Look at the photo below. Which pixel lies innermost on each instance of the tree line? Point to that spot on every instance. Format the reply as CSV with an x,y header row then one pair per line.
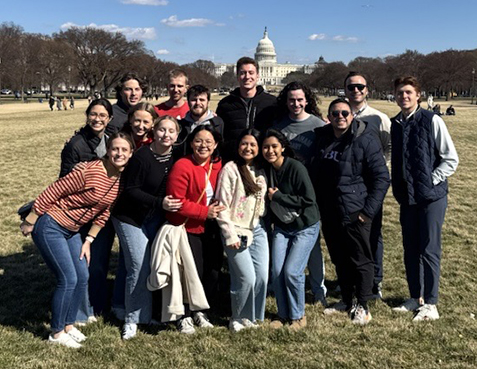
x,y
444,74
97,59
89,57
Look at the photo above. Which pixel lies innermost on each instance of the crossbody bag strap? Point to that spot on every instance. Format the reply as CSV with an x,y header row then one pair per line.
x,y
205,188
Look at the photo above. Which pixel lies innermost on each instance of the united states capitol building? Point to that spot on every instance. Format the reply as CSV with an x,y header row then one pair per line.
x,y
271,72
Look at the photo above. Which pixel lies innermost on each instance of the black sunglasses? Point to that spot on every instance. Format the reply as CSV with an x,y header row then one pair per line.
x,y
359,86
336,113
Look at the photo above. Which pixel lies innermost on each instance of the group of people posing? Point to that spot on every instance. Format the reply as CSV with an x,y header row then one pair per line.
x,y
181,186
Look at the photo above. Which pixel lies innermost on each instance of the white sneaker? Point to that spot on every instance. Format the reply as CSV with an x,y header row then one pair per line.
x,y
360,315
129,331
426,312
186,326
339,307
247,323
76,335
236,325
201,320
64,339
91,319
408,305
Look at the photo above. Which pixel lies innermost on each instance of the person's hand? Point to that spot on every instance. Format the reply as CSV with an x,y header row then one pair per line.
x,y
86,251
271,192
214,209
363,218
234,246
171,204
26,228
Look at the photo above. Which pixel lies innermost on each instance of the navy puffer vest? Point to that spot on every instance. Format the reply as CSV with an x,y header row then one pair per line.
x,y
414,157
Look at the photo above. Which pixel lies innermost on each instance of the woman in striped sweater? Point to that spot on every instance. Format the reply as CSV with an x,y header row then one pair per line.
x,y
72,201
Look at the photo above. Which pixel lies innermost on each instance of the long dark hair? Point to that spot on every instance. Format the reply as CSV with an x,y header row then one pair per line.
x,y
251,188
288,152
311,99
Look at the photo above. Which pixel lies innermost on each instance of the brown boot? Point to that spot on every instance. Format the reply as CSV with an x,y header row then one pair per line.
x,y
298,324
276,324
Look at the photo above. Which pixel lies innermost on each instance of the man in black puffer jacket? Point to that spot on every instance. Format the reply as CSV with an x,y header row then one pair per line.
x,y
350,180
248,106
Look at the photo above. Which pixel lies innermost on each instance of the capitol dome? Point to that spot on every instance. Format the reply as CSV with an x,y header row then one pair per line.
x,y
265,51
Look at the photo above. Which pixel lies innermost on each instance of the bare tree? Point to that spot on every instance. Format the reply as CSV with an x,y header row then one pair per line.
x,y
100,56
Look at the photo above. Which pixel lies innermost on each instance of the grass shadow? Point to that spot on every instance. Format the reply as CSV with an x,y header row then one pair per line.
x,y
26,287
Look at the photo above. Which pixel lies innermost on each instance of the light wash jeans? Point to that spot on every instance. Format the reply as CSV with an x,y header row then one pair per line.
x,y
61,249
137,256
290,253
249,277
316,272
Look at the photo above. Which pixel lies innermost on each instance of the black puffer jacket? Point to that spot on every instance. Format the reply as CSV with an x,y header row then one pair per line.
x,y
237,114
364,178
79,148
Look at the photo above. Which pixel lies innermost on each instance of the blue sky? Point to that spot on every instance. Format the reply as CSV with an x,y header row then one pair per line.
x,y
183,31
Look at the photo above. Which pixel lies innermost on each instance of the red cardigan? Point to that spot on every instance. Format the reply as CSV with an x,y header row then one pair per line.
x,y
186,182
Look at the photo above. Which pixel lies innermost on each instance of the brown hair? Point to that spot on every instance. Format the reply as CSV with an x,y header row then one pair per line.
x,y
167,117
175,73
122,135
408,80
246,60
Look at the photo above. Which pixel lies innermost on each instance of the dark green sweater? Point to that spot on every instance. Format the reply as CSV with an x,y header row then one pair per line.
x,y
295,191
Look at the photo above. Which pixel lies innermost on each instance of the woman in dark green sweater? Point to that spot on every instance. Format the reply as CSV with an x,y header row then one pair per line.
x,y
296,226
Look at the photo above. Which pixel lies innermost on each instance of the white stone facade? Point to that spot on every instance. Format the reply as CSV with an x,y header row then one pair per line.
x,y
271,72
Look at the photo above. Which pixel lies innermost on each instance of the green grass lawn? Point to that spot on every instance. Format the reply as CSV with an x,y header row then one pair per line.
x,y
31,139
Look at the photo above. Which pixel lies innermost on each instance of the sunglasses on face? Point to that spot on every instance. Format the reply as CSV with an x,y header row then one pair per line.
x,y
336,113
359,86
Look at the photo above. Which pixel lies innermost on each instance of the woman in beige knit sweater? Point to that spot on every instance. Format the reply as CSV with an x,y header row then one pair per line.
x,y
241,189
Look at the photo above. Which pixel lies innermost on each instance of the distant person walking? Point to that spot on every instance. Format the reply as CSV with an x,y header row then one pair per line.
x,y
51,102
65,103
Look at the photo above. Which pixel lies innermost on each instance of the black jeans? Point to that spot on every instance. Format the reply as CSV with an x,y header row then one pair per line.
x,y
208,255
350,252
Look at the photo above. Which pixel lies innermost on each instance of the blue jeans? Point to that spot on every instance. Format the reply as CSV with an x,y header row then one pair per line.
x,y
150,227
61,249
290,253
137,256
96,296
249,277
316,271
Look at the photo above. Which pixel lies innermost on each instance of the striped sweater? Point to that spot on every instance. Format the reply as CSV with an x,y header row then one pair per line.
x,y
79,197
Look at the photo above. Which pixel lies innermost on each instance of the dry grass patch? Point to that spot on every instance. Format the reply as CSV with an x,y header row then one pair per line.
x,y
31,139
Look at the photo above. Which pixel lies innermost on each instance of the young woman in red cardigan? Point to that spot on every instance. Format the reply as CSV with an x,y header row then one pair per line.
x,y
188,179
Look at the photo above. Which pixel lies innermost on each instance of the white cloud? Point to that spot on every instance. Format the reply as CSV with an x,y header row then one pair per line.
x,y
129,32
162,52
172,21
146,2
340,38
317,36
